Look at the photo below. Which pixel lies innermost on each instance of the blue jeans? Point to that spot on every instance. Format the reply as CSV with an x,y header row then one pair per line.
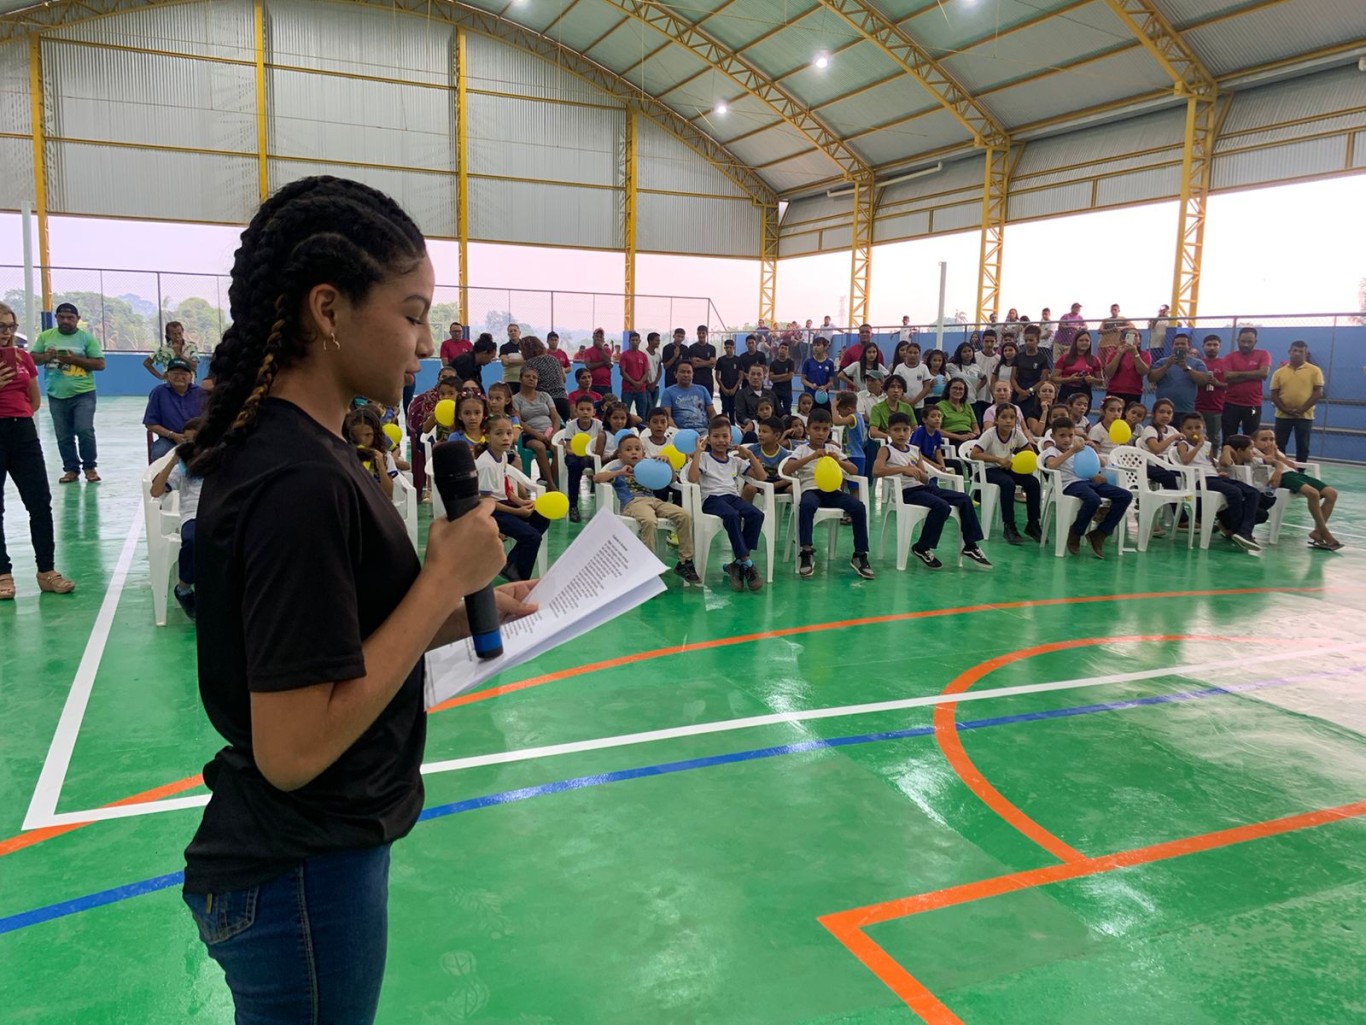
x,y
637,402
526,542
187,552
814,499
160,446
941,505
308,946
742,520
73,420
1091,495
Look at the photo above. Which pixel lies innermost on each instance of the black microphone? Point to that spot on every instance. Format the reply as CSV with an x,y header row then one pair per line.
x,y
457,481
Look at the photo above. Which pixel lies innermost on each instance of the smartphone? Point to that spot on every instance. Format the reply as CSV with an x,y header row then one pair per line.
x,y
9,355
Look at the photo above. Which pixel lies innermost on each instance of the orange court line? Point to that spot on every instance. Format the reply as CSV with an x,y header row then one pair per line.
x,y
28,839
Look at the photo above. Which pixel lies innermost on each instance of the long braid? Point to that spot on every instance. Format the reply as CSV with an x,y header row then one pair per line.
x,y
319,230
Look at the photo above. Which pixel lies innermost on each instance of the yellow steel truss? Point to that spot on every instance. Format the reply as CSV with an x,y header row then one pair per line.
x,y
258,17
995,193
768,264
861,248
628,220
462,173
35,96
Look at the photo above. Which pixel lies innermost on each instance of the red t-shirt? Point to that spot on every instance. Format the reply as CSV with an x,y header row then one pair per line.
x,y
1128,378
1246,393
602,376
1088,365
635,365
14,395
561,357
453,347
1210,398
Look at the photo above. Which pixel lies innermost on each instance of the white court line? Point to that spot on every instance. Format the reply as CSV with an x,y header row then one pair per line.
x,y
43,807
729,725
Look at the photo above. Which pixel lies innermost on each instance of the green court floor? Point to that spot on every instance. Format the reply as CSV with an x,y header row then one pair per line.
x,y
1062,792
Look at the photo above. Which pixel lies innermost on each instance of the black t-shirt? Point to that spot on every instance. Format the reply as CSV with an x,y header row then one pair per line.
x,y
728,370
702,375
468,368
510,348
782,366
666,356
298,558
748,359
1029,369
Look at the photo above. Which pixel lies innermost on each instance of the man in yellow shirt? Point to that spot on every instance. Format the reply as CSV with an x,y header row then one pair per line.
x,y
1296,388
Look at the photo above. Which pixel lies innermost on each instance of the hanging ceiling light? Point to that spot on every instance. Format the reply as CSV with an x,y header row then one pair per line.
x,y
721,107
822,60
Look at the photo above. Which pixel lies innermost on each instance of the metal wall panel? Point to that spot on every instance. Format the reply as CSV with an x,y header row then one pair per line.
x,y
1139,186
358,39
497,67
1049,202
959,217
533,139
799,245
15,107
122,96
664,161
556,215
428,197
1330,101
16,183
219,28
688,224
328,118
110,181
1279,163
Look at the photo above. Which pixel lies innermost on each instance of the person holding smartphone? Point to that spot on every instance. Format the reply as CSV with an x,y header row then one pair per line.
x,y
21,457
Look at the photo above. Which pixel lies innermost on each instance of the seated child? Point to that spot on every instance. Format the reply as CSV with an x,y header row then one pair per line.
x,y
363,429
446,388
929,439
717,468
1240,516
762,411
1078,406
642,505
614,421
996,447
769,450
583,423
899,458
794,431
1320,497
584,379
1160,439
514,512
1134,415
802,465
1000,395
805,403
1111,409
471,413
659,433
1065,442
175,476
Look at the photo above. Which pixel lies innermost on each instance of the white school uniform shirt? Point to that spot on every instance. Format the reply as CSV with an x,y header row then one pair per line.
x,y
493,477
572,428
807,473
652,450
990,443
188,487
1101,436
609,447
1203,458
915,378
1065,471
910,457
720,477
1151,433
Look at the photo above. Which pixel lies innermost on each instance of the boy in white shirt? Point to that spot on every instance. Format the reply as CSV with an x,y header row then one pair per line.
x,y
1237,520
514,513
802,465
1057,454
717,469
899,458
997,447
175,477
584,422
642,505
659,433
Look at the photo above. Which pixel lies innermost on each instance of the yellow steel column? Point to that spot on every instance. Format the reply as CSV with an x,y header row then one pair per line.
x,y
768,263
861,248
259,31
629,215
35,93
995,192
462,181
1197,160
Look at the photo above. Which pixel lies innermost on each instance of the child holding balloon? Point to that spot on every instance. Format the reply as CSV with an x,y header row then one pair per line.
x,y
1067,452
515,513
441,419
1110,431
821,486
615,426
638,499
718,468
363,428
1010,465
579,435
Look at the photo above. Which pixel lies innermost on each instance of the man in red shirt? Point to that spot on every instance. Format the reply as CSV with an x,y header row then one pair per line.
x,y
456,345
552,342
635,377
1209,399
1245,369
854,353
598,361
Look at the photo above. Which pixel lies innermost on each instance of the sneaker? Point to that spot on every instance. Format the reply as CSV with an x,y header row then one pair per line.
x,y
688,572
977,556
185,599
1033,532
736,574
1012,535
574,514
806,564
1097,540
1247,544
673,539
1073,543
927,558
752,579
861,567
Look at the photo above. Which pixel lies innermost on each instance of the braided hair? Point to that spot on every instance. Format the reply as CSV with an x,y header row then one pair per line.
x,y
313,231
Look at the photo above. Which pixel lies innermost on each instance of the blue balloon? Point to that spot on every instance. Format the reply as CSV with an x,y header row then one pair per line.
x,y
822,397
625,432
1086,463
685,441
1112,475
654,474
735,436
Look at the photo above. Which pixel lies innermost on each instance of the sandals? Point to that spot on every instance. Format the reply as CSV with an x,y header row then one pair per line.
x,y
6,587
70,477
53,582
1324,545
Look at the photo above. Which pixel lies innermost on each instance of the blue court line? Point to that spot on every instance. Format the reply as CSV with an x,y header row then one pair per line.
x,y
49,912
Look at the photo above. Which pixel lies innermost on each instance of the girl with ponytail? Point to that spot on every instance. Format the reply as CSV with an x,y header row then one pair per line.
x,y
314,681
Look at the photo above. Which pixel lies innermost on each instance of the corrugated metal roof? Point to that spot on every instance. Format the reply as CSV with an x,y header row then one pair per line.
x,y
943,28
1119,75
689,224
933,131
498,67
1313,96
856,67
355,39
1274,33
210,30
16,112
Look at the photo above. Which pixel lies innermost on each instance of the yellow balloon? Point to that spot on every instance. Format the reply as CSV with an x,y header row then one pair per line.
x,y
394,433
1121,432
829,477
1024,461
579,444
553,505
673,457
445,412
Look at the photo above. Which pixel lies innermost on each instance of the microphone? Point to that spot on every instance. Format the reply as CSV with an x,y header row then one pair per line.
x,y
457,481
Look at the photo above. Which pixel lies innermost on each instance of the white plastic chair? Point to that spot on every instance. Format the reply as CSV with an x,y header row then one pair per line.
x,y
908,517
1276,514
988,494
706,527
606,498
406,501
536,488
1211,503
1063,508
1131,464
831,517
161,521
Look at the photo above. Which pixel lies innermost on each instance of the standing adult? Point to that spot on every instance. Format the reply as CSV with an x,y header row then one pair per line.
x,y
1079,372
469,366
1126,371
1113,330
1211,396
635,377
171,405
656,356
456,344
1296,388
176,347
702,356
552,344
597,360
853,354
1159,328
510,354
1032,367
21,457
753,354
72,357
549,374
1178,377
780,374
1068,326
728,375
1046,331
1245,368
674,353
287,874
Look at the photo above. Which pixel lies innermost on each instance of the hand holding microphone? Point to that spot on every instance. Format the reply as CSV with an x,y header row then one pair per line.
x,y
457,480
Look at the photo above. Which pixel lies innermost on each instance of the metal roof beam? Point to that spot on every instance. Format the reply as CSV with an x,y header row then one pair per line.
x,y
1167,46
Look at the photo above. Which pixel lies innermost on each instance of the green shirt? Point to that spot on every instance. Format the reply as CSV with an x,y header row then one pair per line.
x,y
67,381
959,421
882,411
